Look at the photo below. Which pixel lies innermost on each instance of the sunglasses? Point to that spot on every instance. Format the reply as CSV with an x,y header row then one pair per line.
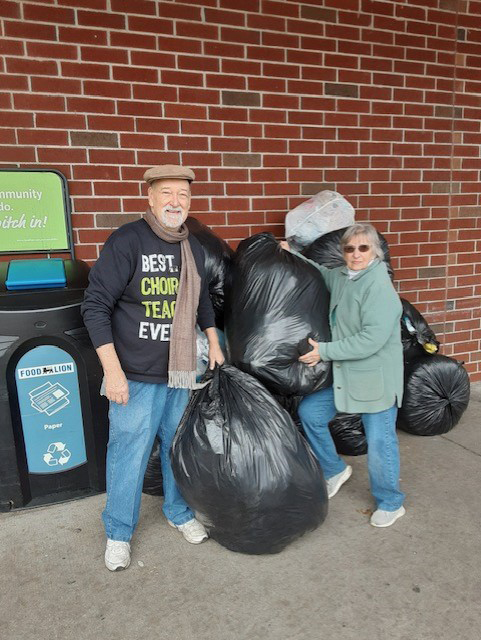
x,y
362,248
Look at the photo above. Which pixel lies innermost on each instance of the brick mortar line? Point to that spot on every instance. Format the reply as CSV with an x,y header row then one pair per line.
x,y
257,77
255,109
263,137
202,72
359,40
248,13
94,181
268,153
268,93
367,56
246,59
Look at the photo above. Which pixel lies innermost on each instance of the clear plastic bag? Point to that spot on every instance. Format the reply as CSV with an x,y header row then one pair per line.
x,y
417,336
202,346
324,212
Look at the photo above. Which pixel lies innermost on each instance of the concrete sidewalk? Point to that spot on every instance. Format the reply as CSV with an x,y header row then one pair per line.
x,y
418,580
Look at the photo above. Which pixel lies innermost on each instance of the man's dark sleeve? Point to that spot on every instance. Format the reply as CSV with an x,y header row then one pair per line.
x,y
107,281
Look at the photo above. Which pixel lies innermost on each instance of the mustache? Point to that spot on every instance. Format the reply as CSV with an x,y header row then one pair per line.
x,y
170,209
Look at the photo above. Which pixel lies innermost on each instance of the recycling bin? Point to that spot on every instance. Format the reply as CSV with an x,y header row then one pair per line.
x,y
53,422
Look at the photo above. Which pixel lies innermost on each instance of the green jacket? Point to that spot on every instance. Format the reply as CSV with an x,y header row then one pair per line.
x,y
366,349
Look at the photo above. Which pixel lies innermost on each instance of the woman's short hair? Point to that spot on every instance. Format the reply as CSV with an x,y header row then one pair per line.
x,y
363,229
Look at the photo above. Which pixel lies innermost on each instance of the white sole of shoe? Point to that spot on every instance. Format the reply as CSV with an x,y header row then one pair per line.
x,y
113,567
347,473
206,537
196,541
388,524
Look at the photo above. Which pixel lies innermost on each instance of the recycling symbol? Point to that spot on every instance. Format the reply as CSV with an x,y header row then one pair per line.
x,y
57,453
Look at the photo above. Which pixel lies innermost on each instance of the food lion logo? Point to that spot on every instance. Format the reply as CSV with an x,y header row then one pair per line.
x,y
45,370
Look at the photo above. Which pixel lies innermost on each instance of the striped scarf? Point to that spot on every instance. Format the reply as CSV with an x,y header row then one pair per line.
x,y
182,355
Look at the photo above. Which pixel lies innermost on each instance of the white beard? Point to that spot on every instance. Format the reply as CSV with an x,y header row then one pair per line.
x,y
171,220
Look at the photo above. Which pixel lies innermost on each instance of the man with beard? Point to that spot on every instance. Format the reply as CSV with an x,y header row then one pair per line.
x,y
146,293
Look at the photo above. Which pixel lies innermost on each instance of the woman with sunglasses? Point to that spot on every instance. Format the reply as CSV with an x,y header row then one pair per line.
x,y
367,366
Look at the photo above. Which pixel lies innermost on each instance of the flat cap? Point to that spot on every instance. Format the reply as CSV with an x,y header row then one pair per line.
x,y
169,172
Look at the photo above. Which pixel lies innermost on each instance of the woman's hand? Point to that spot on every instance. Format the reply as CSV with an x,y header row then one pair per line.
x,y
312,358
285,245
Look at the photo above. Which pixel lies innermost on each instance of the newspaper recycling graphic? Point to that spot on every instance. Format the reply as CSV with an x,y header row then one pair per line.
x,y
49,398
57,453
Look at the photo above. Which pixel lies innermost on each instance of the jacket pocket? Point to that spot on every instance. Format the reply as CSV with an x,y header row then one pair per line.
x,y
365,384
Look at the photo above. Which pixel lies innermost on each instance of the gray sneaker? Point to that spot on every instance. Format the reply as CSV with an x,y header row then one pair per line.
x,y
117,555
382,518
336,482
193,531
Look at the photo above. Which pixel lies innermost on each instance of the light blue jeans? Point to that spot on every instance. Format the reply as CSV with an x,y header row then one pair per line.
x,y
152,409
318,409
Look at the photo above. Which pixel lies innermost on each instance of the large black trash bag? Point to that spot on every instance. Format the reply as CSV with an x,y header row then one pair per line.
x,y
276,301
326,250
290,404
348,434
417,336
241,464
218,256
153,474
436,394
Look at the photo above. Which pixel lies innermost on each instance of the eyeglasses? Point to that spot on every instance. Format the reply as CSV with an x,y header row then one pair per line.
x,y
362,248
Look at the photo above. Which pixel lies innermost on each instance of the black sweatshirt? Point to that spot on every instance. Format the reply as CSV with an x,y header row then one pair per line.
x,y
131,296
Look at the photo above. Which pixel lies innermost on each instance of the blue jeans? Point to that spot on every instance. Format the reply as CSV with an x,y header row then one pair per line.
x,y
152,409
318,409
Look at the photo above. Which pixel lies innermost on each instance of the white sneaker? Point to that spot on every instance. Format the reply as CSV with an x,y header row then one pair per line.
x,y
336,482
193,531
382,518
117,555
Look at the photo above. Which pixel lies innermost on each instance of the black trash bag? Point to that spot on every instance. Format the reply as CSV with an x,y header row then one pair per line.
x,y
436,394
348,434
326,250
241,464
218,256
417,336
290,404
153,474
276,302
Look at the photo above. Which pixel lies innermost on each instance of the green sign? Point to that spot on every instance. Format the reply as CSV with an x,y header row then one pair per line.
x,y
32,212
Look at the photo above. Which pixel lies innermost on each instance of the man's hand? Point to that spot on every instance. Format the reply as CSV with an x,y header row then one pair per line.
x,y
215,352
117,387
215,355
312,357
285,245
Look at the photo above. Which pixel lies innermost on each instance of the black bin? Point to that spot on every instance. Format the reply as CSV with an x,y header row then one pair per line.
x,y
53,422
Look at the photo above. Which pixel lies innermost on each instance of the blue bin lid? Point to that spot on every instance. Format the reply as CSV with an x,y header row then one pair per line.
x,y
35,274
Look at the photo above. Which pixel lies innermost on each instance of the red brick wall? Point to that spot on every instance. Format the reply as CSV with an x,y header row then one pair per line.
x,y
269,103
